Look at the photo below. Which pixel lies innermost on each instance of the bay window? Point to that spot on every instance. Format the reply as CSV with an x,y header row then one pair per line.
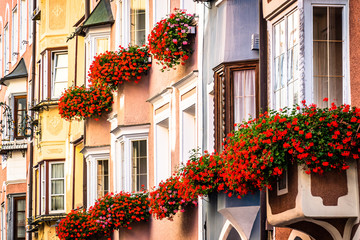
x,y
328,47
286,86
57,187
235,96
51,187
54,74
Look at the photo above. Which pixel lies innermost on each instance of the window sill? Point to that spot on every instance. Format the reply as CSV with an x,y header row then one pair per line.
x,y
48,218
44,105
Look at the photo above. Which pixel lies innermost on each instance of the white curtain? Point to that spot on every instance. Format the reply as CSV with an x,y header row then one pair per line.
x,y
244,95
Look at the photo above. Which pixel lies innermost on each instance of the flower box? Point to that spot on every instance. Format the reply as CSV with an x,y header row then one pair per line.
x,y
331,195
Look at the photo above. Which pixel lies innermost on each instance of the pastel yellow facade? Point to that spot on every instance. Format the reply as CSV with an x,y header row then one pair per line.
x,y
58,163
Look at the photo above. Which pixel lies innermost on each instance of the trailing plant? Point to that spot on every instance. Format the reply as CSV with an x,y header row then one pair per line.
x,y
80,102
168,198
110,69
76,225
169,40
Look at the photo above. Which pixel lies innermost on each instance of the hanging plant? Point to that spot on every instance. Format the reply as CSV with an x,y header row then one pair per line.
x,y
169,41
76,225
113,68
80,103
169,197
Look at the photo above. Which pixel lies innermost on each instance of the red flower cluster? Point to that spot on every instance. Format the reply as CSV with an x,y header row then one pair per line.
x,y
80,103
77,225
169,198
109,213
113,68
169,39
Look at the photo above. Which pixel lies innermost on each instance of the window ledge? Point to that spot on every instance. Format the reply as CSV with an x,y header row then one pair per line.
x,y
47,218
44,105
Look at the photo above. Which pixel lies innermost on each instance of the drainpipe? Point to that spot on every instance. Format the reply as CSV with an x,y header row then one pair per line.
x,y
87,9
31,152
263,105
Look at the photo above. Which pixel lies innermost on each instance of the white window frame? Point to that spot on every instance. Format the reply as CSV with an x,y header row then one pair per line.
x,y
23,26
42,184
30,21
92,155
14,36
157,18
125,23
185,86
3,221
54,54
1,56
169,115
271,25
50,195
90,45
6,49
96,169
308,36
185,3
124,136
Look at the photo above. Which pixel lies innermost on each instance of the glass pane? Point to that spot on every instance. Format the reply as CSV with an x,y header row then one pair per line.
x,y
57,186
61,60
320,59
61,75
57,170
20,205
59,88
335,59
137,22
142,163
335,23
139,163
21,103
102,45
321,90
142,182
20,218
335,90
57,203
21,232
320,23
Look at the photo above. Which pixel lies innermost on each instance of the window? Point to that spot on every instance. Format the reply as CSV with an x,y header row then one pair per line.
x,y
42,189
1,57
23,25
19,218
188,132
162,151
235,91
19,116
96,42
161,9
57,187
328,45
286,84
14,36
55,81
139,165
3,220
30,22
131,158
6,50
137,22
97,167
102,177
59,78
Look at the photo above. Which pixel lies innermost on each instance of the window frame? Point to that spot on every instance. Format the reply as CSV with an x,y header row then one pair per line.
x,y
224,97
16,199
15,114
97,176
91,45
14,35
308,53
134,139
46,74
23,26
49,179
123,137
6,49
